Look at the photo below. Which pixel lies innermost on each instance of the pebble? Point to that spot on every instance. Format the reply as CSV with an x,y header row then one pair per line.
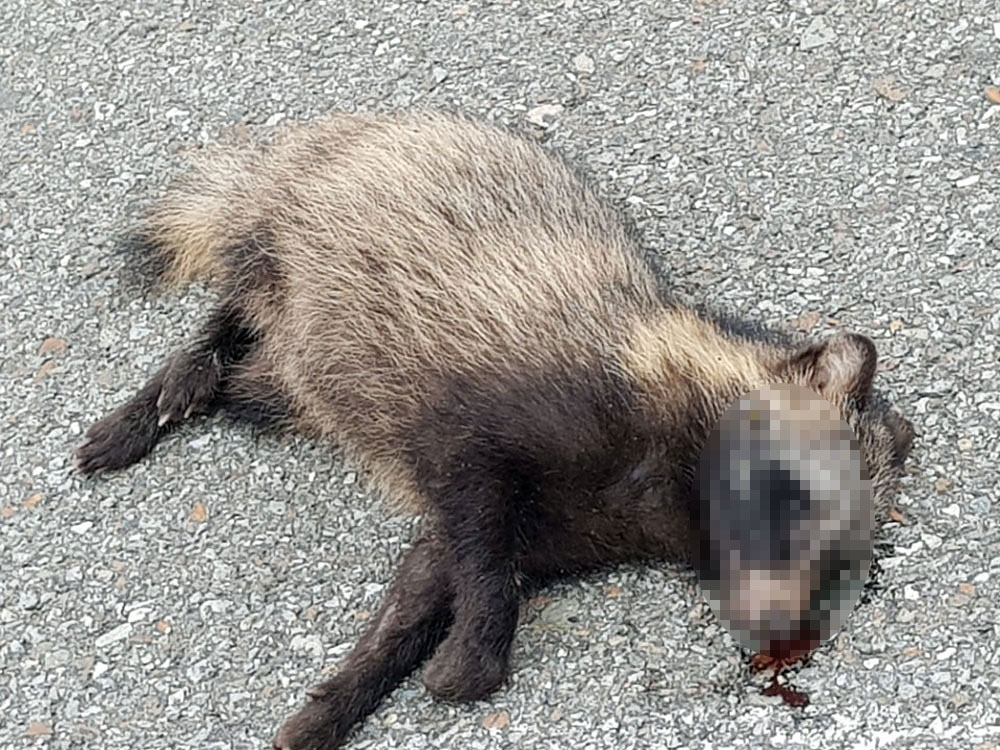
x,y
58,658
119,633
817,34
584,64
562,612
543,114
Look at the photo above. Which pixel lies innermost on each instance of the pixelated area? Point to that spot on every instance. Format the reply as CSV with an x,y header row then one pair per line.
x,y
786,520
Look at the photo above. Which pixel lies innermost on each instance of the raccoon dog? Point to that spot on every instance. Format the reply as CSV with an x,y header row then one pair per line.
x,y
481,334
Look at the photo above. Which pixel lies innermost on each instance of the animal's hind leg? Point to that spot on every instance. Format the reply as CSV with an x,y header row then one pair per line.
x,y
194,378
189,383
411,622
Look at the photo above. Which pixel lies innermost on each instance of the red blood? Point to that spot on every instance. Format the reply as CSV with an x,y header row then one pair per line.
x,y
776,665
792,697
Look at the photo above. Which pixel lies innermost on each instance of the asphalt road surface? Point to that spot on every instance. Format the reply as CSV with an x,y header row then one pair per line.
x,y
817,165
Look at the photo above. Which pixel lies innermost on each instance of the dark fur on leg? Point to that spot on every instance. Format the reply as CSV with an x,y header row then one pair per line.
x,y
189,383
411,622
195,378
473,660
125,435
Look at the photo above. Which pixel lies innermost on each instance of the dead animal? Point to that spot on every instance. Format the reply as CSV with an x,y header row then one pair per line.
x,y
480,332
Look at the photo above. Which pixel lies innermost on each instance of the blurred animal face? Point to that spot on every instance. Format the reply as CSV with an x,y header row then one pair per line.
x,y
786,520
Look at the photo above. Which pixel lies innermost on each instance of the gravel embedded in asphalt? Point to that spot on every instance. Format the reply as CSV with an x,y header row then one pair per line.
x,y
817,165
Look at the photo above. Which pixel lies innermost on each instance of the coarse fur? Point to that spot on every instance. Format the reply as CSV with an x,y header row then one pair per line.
x,y
463,315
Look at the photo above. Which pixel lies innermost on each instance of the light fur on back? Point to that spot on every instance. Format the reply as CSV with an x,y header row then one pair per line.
x,y
381,257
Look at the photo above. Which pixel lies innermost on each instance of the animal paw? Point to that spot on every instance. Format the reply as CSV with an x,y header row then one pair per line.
x,y
318,725
460,671
121,439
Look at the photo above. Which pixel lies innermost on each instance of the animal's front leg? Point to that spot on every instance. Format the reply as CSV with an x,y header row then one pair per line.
x,y
413,620
474,659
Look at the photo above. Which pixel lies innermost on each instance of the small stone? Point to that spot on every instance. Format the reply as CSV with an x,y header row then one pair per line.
x,y
163,627
186,26
584,64
933,541
440,75
81,528
38,729
967,181
887,89
613,592
817,34
350,477
58,658
44,371
958,600
28,600
937,70
806,322
52,345
310,643
119,633
199,514
993,94
942,485
541,114
499,720
562,612
100,668
896,326
946,654
958,700
964,444
274,119
912,652
33,501
557,714
967,588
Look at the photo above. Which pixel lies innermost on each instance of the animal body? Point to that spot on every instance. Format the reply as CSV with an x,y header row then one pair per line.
x,y
479,332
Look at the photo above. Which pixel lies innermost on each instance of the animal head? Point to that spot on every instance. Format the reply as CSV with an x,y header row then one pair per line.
x,y
792,482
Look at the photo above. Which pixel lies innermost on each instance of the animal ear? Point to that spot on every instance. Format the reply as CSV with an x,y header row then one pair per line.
x,y
843,366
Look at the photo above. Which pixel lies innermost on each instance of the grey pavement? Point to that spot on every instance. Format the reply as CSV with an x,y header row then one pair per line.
x,y
813,164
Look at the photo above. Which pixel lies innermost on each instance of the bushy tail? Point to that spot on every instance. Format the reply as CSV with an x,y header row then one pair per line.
x,y
208,209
